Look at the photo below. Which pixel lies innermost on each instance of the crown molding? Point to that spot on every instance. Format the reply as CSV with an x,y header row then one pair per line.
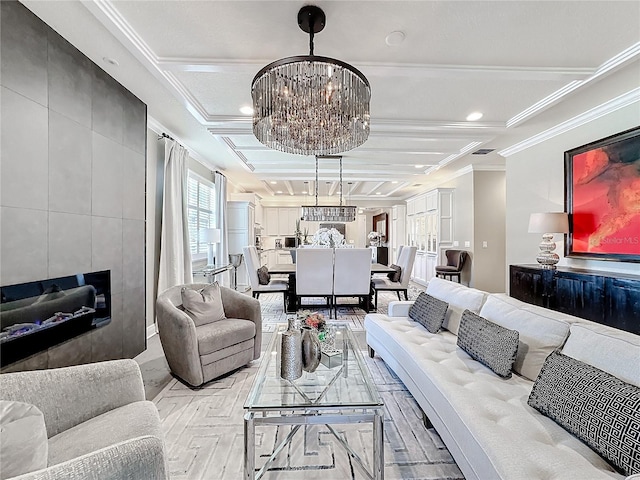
x,y
618,61
387,69
606,108
154,125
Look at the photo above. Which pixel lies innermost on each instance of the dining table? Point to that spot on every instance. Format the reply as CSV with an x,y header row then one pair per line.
x,y
290,270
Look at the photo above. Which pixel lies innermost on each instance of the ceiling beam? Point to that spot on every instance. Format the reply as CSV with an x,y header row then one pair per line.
x,y
376,187
332,188
268,187
287,184
399,187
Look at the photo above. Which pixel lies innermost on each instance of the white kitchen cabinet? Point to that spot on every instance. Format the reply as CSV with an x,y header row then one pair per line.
x,y
431,231
280,222
284,257
240,233
270,218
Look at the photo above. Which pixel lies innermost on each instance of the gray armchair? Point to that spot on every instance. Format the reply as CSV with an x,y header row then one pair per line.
x,y
98,424
200,354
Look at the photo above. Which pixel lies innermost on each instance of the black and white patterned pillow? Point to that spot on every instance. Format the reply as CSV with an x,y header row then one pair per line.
x,y
598,408
263,275
429,312
490,344
395,276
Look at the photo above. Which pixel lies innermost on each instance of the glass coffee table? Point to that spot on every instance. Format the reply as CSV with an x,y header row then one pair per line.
x,y
340,391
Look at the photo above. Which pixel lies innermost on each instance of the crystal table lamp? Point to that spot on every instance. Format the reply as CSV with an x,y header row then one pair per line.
x,y
210,236
548,223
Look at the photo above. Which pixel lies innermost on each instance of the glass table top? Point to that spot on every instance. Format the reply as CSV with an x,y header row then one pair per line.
x,y
342,382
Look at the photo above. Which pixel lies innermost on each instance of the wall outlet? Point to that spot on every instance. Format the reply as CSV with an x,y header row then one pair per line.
x,y
485,244
456,243
467,243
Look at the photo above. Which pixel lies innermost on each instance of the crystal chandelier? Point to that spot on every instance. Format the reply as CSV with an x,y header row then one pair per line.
x,y
310,105
329,213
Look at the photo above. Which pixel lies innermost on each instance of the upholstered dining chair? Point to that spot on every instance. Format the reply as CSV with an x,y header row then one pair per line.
x,y
405,261
352,276
314,274
198,354
275,285
454,266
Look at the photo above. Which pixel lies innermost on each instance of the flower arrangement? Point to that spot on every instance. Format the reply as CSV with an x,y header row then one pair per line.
x,y
374,238
328,237
312,319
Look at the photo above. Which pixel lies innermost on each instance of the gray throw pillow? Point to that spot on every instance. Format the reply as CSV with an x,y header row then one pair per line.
x,y
395,276
598,408
23,439
490,344
263,275
203,306
429,312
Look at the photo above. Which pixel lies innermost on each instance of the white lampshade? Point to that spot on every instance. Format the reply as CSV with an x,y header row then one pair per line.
x,y
209,235
549,222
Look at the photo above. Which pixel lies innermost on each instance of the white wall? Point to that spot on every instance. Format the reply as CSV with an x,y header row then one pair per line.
x,y
535,183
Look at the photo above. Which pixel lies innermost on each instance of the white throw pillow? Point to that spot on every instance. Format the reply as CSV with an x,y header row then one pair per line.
x,y
614,351
203,306
540,334
459,298
23,439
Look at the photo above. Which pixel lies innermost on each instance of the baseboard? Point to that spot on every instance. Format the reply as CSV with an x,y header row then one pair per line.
x,y
151,330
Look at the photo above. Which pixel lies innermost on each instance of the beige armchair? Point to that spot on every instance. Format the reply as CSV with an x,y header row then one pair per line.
x,y
200,354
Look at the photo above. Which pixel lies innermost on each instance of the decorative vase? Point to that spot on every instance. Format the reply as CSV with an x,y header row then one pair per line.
x,y
291,355
311,351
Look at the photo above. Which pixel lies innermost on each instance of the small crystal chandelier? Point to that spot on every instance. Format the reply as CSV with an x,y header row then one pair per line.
x,y
311,105
329,213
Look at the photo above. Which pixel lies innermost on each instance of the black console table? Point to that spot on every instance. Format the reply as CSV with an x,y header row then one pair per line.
x,y
605,297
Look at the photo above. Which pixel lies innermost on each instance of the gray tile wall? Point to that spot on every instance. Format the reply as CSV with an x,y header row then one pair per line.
x,y
72,188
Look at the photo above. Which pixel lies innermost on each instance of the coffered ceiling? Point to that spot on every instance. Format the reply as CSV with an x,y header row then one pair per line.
x,y
193,63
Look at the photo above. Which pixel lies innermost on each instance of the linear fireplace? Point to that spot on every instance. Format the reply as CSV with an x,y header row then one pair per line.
x,y
37,315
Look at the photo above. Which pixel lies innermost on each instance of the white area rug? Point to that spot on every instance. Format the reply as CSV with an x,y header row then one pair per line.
x,y
204,435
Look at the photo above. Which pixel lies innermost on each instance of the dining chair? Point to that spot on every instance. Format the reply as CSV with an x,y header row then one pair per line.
x,y
314,274
405,262
352,276
276,285
454,266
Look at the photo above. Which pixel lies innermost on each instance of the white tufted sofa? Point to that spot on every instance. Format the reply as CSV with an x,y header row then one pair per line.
x,y
483,419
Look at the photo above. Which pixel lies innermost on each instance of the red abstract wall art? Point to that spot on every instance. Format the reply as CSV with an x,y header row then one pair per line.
x,y
602,197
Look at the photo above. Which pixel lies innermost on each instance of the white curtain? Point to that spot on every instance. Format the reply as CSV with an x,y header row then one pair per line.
x,y
175,253
221,223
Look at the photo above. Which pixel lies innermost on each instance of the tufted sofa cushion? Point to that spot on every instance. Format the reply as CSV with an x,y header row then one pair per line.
x,y
459,298
539,334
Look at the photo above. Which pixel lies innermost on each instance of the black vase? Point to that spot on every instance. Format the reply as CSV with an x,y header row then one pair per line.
x,y
311,352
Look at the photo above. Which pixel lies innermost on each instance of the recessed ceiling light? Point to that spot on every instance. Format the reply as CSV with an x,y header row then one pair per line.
x,y
419,166
273,182
303,193
279,191
395,181
111,61
378,193
472,117
246,110
395,38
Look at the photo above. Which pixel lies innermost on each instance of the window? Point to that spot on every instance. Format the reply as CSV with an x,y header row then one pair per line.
x,y
201,210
